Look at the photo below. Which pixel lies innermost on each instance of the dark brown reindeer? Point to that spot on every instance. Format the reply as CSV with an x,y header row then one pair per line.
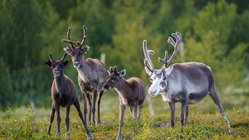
x,y
63,93
91,74
131,93
187,83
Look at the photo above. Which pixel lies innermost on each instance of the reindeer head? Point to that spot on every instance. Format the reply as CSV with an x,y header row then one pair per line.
x,y
57,65
158,77
114,77
76,52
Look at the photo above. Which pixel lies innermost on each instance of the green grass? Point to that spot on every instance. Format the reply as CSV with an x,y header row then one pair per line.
x,y
204,122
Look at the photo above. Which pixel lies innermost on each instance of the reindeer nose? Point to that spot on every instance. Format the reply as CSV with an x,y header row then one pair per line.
x,y
152,93
76,64
57,73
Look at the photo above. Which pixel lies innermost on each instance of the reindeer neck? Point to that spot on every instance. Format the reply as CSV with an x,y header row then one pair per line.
x,y
123,88
84,64
59,82
84,71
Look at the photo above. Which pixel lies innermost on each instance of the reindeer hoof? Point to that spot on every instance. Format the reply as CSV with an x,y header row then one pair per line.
x,y
99,122
92,123
167,124
48,133
68,136
58,133
119,138
89,136
230,131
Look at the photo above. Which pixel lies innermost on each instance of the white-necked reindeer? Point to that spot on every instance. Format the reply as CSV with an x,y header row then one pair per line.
x,y
187,83
63,93
131,94
91,74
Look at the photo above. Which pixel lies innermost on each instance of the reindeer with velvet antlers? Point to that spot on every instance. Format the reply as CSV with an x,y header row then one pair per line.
x,y
187,83
91,74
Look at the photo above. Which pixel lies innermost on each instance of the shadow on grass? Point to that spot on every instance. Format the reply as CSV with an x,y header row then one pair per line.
x,y
242,124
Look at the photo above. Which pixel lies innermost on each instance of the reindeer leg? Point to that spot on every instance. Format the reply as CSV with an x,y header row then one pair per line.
x,y
138,111
131,111
135,111
99,100
184,113
57,110
67,120
94,99
85,104
216,100
51,119
172,110
121,120
84,99
88,133
187,109
90,107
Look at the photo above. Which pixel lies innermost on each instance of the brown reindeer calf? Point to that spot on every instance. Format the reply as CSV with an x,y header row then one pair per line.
x,y
131,93
63,93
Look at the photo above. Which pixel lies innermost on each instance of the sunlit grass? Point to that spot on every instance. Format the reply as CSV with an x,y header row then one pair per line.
x,y
204,122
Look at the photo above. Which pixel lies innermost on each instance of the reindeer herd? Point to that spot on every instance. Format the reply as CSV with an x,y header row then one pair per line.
x,y
187,83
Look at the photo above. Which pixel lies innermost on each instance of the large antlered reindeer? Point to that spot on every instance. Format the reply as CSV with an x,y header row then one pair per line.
x,y
91,74
187,83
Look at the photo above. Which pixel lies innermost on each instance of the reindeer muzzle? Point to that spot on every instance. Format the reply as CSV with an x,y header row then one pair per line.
x,y
57,73
153,93
76,64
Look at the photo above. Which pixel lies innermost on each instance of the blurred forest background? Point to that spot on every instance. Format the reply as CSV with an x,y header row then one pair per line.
x,y
214,32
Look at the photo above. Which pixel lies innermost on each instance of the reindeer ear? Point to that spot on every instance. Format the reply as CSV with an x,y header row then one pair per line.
x,y
115,70
48,63
122,73
86,48
65,63
110,70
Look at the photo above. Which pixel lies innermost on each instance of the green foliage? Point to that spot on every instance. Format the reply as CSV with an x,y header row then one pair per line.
x,y
18,125
6,90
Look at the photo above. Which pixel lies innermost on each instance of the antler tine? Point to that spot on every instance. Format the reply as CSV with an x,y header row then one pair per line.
x,y
147,67
84,29
64,56
68,33
175,44
69,41
164,60
147,54
171,41
50,57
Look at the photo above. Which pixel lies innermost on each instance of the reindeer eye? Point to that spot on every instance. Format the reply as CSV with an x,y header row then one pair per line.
x,y
151,80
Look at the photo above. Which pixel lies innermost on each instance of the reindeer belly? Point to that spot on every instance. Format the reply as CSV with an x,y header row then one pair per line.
x,y
194,98
166,97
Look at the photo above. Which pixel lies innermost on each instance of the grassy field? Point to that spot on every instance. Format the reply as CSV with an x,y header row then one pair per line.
x,y
204,122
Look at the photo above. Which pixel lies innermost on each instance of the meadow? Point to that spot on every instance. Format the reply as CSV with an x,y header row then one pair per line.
x,y
204,121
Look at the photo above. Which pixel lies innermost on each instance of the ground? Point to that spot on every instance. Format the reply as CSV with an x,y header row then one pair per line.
x,y
204,122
